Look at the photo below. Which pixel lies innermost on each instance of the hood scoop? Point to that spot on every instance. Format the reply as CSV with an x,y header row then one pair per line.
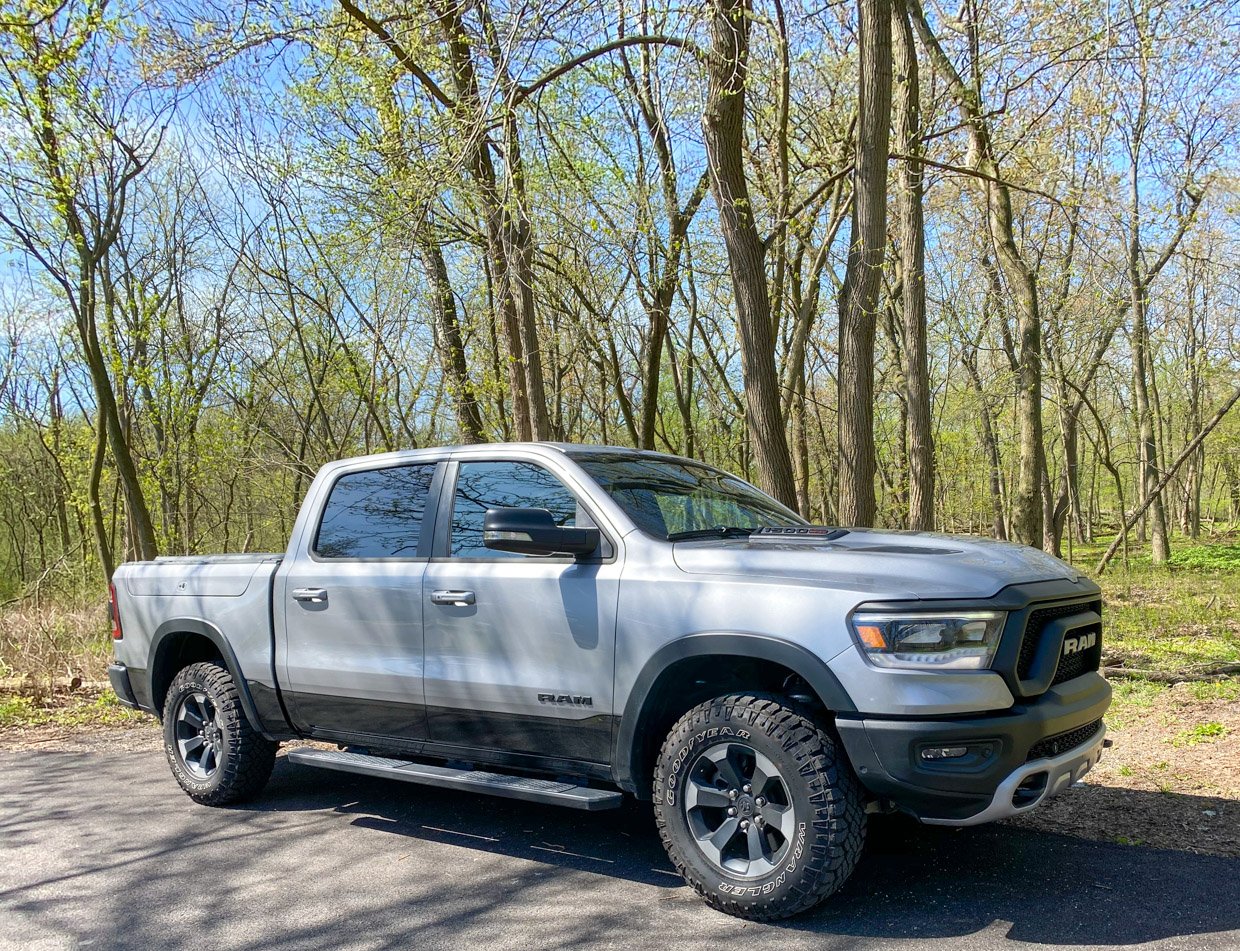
x,y
817,534
794,533
905,550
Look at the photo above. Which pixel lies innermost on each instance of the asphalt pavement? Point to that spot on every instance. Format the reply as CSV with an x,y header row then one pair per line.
x,y
103,850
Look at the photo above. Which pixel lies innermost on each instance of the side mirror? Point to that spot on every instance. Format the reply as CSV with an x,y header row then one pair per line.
x,y
534,532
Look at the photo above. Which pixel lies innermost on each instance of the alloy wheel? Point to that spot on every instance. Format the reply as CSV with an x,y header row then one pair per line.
x,y
739,810
199,736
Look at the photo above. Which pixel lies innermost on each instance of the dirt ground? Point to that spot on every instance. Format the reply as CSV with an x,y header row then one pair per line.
x,y
1171,780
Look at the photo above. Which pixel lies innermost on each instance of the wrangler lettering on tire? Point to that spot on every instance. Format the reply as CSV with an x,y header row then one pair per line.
x,y
756,806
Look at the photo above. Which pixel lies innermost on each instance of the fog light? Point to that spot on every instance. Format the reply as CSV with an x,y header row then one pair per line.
x,y
944,752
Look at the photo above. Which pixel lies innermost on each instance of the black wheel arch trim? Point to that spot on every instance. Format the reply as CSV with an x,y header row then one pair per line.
x,y
190,625
740,644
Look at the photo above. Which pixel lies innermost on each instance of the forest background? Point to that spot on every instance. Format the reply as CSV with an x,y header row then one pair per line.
x,y
962,268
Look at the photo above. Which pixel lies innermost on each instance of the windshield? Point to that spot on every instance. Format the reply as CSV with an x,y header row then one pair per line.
x,y
667,498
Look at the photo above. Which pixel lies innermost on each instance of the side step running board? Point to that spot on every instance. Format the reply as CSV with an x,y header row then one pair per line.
x,y
549,791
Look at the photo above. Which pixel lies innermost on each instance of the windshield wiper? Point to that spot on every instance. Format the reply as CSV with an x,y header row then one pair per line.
x,y
719,531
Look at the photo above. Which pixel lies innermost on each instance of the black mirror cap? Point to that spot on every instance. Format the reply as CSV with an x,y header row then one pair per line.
x,y
534,532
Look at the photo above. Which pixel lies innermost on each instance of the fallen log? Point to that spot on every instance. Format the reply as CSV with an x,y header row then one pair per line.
x,y
1210,673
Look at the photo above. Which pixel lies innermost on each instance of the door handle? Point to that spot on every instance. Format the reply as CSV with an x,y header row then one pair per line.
x,y
457,599
313,595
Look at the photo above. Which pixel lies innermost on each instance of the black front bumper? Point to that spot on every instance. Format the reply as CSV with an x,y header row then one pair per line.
x,y
886,753
118,674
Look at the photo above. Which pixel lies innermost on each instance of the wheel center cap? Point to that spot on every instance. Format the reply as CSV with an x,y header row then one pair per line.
x,y
745,807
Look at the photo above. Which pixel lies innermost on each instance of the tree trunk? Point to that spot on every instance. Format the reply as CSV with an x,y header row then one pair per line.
x,y
723,127
1147,446
994,463
1156,490
102,544
519,252
913,258
867,245
508,243
1021,283
142,528
451,344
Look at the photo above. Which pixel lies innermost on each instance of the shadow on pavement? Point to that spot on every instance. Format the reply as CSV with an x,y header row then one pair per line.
x,y
108,850
913,881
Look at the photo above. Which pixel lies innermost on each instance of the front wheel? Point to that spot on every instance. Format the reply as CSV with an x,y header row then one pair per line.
x,y
215,754
757,807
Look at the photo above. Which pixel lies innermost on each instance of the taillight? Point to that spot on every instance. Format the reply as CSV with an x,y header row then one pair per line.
x,y
114,613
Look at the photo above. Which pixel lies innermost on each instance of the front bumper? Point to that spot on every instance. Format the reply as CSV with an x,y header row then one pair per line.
x,y
1015,759
1027,787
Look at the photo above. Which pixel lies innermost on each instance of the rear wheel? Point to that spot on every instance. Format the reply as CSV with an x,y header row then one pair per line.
x,y
757,807
215,754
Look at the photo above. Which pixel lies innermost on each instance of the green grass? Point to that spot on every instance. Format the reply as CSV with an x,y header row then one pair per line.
x,y
1130,699
18,710
1217,557
1170,617
1201,733
1228,689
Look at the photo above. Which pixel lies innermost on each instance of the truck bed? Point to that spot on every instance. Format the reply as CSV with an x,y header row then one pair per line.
x,y
204,576
226,598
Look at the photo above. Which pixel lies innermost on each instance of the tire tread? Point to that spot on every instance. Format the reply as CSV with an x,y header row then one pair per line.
x,y
834,790
251,756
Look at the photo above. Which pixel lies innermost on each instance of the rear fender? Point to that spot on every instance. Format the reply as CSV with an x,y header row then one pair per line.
x,y
163,641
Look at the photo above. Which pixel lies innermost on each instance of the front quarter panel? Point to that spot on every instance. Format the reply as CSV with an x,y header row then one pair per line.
x,y
662,607
659,604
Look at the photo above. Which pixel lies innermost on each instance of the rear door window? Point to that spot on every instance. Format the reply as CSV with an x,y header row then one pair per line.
x,y
375,514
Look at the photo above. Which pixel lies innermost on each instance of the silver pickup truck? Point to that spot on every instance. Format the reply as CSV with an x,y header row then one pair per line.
x,y
566,624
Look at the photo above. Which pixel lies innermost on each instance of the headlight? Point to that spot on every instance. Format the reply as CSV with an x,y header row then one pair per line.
x,y
965,640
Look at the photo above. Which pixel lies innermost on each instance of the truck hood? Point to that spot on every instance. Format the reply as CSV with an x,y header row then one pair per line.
x,y
884,565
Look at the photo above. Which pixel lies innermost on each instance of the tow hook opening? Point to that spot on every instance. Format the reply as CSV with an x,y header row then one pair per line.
x,y
1030,790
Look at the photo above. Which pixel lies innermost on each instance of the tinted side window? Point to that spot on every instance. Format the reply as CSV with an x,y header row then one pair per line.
x,y
375,514
489,485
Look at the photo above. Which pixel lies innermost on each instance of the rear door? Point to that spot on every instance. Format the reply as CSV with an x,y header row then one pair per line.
x,y
520,649
352,606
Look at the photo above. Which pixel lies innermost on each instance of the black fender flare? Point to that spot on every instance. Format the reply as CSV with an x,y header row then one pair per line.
x,y
743,644
193,625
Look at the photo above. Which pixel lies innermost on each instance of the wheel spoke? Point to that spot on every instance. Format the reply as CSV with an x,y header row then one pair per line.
x,y
780,817
750,782
763,772
199,740
698,794
755,841
721,756
194,707
188,745
714,843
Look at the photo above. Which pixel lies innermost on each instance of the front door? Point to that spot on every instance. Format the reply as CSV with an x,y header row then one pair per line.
x,y
353,609
519,649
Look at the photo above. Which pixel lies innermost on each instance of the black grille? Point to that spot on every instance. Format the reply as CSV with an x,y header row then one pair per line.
x,y
1062,742
1038,619
1071,665
1082,662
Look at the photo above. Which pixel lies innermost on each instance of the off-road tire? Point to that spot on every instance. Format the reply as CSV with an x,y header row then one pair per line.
x,y
246,758
827,799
